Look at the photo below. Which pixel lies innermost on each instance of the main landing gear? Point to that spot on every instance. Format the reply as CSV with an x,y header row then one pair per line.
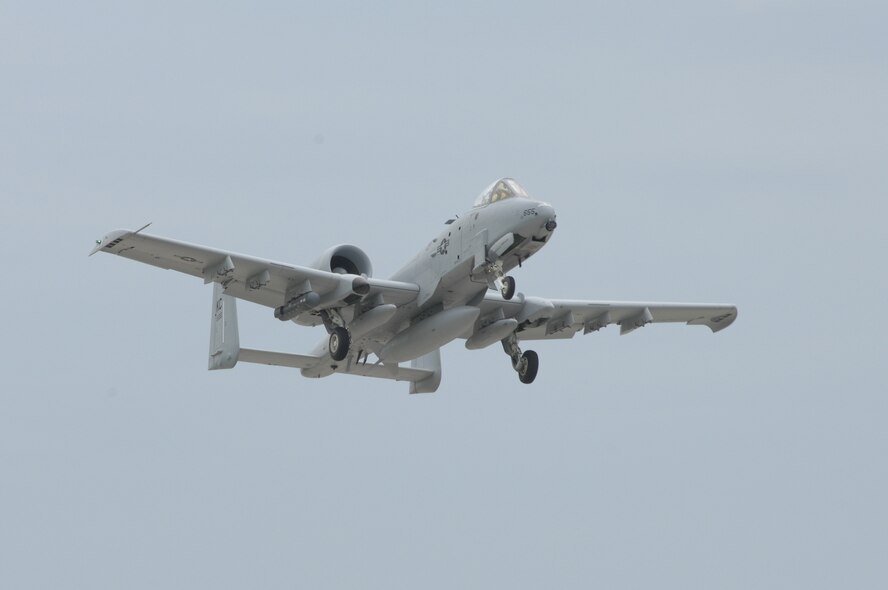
x,y
340,339
526,364
339,343
508,288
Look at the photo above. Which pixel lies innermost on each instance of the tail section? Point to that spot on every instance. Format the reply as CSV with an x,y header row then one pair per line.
x,y
424,373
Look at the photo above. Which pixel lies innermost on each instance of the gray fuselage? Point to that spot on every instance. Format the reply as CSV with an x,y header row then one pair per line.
x,y
458,267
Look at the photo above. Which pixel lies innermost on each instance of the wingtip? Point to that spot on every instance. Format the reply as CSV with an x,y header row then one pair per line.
x,y
106,241
722,321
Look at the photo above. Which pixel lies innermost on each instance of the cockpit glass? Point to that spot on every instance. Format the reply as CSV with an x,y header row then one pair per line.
x,y
504,188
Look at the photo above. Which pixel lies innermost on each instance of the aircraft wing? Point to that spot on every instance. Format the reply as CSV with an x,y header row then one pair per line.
x,y
261,281
542,319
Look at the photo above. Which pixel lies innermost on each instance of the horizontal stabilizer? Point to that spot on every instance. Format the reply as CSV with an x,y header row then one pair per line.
x,y
280,359
304,361
410,374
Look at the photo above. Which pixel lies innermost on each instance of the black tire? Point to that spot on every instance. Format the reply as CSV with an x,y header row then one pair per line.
x,y
339,343
508,289
529,366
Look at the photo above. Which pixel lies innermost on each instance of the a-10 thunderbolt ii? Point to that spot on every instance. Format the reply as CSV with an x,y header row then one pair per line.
x,y
455,287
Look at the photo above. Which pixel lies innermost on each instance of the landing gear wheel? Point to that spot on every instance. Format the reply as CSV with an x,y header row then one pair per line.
x,y
339,342
508,288
528,366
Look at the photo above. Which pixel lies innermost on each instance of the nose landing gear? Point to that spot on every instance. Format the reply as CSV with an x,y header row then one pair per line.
x,y
507,284
526,364
492,271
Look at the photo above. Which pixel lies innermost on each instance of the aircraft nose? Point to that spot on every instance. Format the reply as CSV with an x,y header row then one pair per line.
x,y
547,213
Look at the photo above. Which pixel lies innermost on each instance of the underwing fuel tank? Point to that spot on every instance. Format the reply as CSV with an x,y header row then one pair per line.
x,y
429,334
492,333
371,319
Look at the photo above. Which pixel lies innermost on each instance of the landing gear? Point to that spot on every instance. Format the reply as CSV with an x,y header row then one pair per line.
x,y
340,339
492,271
339,343
528,367
527,364
508,288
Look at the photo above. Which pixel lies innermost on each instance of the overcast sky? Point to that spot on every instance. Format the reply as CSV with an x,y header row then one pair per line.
x,y
702,151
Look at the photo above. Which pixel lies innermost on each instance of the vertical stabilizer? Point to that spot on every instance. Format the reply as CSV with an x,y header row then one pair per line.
x,y
224,340
429,362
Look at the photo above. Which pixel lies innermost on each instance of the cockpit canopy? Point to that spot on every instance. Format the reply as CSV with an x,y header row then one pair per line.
x,y
504,188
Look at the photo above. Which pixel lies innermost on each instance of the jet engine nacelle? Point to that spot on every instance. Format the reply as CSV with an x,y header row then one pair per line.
x,y
345,259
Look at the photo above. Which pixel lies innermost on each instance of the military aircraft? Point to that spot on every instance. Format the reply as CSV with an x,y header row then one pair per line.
x,y
456,287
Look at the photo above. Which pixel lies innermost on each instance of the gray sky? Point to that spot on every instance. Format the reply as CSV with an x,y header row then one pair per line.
x,y
711,151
